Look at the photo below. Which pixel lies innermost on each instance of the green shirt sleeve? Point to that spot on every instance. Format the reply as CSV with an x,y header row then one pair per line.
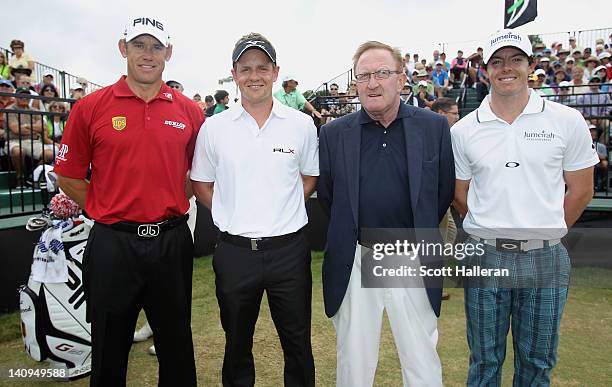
x,y
300,100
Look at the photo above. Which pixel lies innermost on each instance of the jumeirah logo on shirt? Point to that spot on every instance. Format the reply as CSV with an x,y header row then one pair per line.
x,y
539,136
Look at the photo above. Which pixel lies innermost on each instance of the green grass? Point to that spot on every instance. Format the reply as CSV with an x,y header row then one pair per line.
x,y
585,350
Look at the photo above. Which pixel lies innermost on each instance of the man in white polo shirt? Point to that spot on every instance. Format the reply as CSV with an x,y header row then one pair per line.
x,y
514,157
254,166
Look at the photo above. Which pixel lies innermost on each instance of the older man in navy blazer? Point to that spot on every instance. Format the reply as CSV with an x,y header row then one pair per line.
x,y
388,166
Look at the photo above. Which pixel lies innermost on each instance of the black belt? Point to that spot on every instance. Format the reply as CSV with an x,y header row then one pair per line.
x,y
259,243
148,230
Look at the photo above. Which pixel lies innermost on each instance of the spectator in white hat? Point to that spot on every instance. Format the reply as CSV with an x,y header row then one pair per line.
x,y
542,88
569,66
76,91
424,99
289,95
84,84
545,65
564,96
573,46
605,61
603,73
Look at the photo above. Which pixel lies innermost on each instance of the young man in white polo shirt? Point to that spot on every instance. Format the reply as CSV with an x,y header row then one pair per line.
x,y
514,157
254,166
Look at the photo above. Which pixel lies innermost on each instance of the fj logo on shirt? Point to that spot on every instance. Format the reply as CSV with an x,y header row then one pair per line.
x,y
168,95
119,123
178,125
282,150
539,136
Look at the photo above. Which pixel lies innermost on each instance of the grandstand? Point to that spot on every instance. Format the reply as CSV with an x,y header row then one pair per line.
x,y
18,199
553,53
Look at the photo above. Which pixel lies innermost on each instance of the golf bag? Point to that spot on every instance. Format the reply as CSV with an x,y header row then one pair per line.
x,y
53,322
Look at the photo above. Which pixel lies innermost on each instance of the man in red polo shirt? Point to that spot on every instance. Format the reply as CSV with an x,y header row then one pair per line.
x,y
138,136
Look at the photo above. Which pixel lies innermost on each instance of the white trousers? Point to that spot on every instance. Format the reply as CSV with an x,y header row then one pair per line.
x,y
358,327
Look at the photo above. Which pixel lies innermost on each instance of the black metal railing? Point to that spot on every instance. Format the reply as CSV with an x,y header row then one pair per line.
x,y
31,140
342,80
579,99
61,79
584,38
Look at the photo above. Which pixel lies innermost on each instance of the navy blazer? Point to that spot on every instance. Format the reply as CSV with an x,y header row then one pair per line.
x,y
431,171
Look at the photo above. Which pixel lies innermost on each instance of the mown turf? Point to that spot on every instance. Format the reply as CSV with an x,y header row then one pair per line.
x,y
585,350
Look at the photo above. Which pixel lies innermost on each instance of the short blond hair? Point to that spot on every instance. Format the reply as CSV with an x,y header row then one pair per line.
x,y
395,53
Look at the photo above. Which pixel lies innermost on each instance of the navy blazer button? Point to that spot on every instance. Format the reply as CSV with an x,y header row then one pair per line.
x,y
349,266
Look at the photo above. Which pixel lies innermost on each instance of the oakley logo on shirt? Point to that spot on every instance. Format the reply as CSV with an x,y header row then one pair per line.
x,y
281,150
512,164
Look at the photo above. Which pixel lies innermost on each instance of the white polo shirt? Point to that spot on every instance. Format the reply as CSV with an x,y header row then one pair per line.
x,y
516,170
258,188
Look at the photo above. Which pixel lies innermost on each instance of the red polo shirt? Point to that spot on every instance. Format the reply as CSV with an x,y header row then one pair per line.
x,y
139,152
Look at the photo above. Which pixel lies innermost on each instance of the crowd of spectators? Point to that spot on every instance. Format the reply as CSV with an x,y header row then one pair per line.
x,y
579,77
574,76
33,132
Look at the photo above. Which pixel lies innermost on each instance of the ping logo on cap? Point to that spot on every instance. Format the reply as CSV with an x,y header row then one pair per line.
x,y
144,21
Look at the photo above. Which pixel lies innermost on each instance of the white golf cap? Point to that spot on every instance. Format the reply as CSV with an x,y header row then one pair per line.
x,y
423,83
148,26
506,38
540,72
602,67
564,84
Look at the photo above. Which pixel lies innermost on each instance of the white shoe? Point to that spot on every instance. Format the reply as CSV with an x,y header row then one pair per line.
x,y
143,333
152,350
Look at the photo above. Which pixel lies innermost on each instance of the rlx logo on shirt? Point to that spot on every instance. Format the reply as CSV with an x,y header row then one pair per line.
x,y
282,150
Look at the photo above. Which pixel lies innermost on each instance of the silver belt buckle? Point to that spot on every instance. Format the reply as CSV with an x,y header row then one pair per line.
x,y
510,245
254,244
148,230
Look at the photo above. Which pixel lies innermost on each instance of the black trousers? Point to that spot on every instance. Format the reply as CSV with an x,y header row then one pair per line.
x,y
123,274
284,273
